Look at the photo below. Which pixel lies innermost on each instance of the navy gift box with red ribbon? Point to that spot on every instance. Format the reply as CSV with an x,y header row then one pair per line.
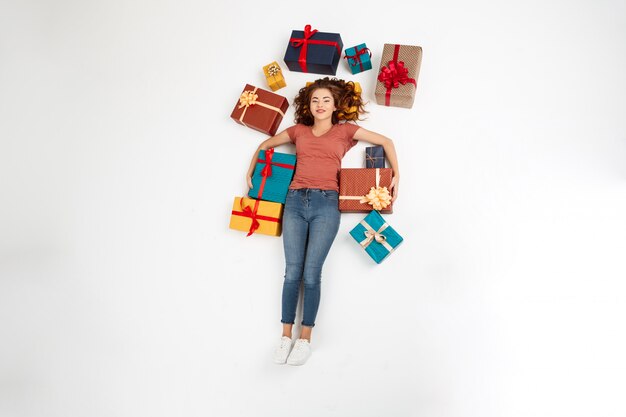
x,y
314,52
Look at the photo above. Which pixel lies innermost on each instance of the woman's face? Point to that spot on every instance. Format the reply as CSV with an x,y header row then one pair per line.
x,y
322,104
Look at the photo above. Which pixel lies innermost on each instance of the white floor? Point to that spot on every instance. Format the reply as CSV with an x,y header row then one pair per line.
x,y
124,293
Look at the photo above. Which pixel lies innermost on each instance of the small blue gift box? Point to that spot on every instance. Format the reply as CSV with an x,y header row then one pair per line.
x,y
359,58
313,52
376,236
272,176
374,157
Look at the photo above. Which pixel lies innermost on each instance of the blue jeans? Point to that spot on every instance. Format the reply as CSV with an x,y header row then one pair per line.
x,y
310,224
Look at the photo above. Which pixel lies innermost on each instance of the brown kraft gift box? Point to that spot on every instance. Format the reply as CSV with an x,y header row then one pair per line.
x,y
357,182
260,109
400,64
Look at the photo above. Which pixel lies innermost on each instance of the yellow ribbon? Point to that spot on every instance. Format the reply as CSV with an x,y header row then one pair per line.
x,y
273,70
371,235
248,98
378,197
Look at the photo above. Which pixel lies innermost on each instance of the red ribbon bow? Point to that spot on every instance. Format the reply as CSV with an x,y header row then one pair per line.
x,y
304,43
357,56
267,169
248,212
252,213
394,74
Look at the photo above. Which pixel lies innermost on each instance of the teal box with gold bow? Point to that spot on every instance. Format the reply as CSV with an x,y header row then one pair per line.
x,y
313,52
375,235
359,58
272,175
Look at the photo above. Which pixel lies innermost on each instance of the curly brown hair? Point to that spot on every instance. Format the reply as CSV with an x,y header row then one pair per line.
x,y
348,102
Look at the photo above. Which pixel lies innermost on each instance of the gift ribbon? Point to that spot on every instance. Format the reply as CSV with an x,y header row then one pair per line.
x,y
304,43
249,98
394,74
357,56
375,191
267,169
375,235
246,211
372,160
273,70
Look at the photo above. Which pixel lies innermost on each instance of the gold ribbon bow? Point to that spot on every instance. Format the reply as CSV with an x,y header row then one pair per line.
x,y
247,98
273,70
371,235
378,197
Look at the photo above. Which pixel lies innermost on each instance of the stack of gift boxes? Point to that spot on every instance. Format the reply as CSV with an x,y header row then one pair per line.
x,y
361,190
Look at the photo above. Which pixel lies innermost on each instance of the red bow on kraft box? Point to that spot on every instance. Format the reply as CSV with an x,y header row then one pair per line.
x,y
397,79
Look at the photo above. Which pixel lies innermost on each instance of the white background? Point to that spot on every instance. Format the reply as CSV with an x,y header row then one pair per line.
x,y
124,293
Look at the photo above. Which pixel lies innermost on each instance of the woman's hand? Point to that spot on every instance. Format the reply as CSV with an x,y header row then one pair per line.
x,y
249,181
393,188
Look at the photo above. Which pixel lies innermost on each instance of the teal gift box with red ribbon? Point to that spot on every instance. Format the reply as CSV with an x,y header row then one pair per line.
x,y
359,58
272,175
397,77
314,52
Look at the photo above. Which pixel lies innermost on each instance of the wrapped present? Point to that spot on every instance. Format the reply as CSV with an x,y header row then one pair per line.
x,y
250,215
359,58
353,111
260,109
397,78
272,175
374,157
274,76
365,189
313,52
375,235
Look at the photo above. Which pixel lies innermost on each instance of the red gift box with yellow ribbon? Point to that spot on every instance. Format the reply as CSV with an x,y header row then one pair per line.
x,y
397,76
365,189
260,109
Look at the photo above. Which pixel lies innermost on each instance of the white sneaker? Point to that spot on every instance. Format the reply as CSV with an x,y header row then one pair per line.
x,y
300,353
282,351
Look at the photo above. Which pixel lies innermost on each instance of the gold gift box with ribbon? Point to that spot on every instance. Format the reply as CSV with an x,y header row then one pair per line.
x,y
353,111
274,76
256,216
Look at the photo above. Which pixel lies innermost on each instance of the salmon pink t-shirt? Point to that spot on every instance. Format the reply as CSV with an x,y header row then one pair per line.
x,y
319,157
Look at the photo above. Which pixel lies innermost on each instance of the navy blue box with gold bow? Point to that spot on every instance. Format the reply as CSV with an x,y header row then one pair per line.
x,y
374,157
313,52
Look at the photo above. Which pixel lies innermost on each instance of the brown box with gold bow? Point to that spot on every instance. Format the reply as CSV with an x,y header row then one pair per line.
x,y
397,76
260,109
365,189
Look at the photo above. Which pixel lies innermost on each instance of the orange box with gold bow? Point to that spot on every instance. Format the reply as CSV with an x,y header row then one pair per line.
x,y
260,109
353,111
397,77
274,76
365,189
256,216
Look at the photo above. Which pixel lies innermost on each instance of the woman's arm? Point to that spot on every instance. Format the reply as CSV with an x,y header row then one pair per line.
x,y
390,152
279,139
